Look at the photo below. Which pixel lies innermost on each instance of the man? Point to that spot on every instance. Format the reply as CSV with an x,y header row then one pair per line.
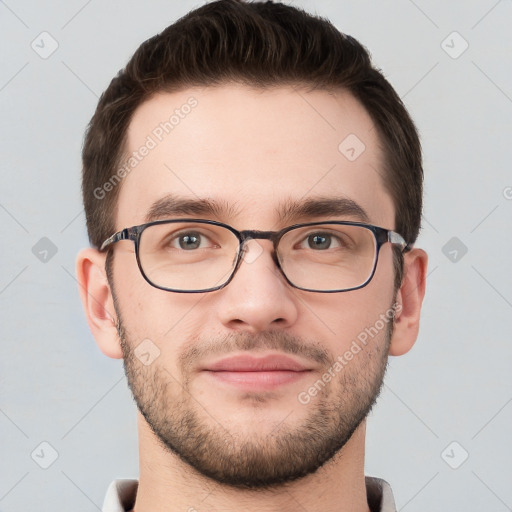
x,y
253,191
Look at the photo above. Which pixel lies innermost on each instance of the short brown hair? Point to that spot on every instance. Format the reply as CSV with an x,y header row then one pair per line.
x,y
261,44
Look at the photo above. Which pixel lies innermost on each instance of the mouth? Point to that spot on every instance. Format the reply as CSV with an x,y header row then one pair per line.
x,y
253,374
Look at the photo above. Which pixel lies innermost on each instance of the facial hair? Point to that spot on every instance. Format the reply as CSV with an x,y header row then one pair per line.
x,y
185,427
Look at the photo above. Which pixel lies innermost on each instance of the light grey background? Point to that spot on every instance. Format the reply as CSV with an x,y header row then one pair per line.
x,y
455,385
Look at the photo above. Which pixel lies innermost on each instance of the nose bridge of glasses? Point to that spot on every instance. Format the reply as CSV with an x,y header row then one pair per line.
x,y
252,251
251,234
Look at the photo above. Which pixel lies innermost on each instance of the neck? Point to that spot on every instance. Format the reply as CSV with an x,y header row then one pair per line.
x,y
167,484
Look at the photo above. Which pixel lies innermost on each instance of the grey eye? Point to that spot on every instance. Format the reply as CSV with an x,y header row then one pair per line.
x,y
190,241
319,241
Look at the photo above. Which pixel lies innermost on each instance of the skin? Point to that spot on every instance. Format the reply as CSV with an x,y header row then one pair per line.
x,y
251,150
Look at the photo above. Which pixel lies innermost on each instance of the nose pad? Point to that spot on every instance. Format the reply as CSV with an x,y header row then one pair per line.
x,y
251,254
251,251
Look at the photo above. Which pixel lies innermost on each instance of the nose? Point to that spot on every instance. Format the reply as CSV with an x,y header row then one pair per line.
x,y
258,298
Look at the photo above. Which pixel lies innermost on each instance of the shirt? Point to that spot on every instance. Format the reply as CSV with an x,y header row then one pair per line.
x,y
121,495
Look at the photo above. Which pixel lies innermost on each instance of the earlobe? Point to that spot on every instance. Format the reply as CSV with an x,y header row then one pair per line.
x,y
409,299
97,301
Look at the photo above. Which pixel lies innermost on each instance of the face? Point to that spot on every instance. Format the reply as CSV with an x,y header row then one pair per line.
x,y
257,156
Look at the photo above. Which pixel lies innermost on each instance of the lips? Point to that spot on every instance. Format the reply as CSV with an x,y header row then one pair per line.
x,y
246,363
256,374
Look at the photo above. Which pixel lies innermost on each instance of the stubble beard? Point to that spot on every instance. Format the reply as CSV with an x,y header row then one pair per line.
x,y
184,426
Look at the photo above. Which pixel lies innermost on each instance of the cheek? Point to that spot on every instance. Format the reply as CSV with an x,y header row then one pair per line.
x,y
342,317
166,318
343,320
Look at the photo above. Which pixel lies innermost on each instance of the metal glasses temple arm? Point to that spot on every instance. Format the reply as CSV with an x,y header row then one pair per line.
x,y
116,237
398,239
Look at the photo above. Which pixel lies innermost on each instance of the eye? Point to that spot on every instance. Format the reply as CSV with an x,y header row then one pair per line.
x,y
322,241
189,240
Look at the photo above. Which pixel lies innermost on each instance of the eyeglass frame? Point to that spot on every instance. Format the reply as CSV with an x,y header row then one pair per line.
x,y
381,235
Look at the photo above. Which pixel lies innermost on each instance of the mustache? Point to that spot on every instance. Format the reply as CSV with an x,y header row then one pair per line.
x,y
197,349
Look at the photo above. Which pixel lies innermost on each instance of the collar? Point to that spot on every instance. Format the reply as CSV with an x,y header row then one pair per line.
x,y
121,495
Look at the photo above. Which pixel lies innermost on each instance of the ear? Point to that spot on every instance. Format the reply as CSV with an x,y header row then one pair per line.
x,y
97,301
409,299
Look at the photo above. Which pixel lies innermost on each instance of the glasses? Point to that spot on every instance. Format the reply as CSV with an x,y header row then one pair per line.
x,y
196,256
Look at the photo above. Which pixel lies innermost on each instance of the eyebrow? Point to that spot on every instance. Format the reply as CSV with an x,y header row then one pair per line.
x,y
290,211
172,206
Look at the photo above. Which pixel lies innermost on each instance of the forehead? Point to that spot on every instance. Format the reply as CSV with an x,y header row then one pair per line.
x,y
252,151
